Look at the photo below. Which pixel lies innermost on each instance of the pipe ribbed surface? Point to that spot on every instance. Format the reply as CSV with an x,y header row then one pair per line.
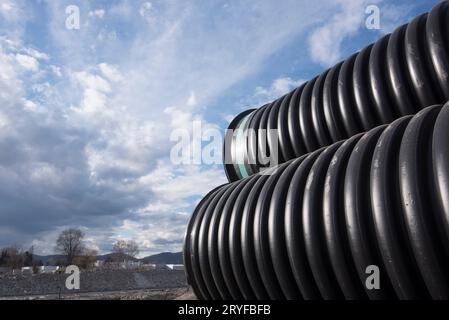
x,y
310,228
399,75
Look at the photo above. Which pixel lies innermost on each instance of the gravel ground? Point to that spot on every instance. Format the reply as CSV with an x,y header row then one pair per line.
x,y
101,281
167,294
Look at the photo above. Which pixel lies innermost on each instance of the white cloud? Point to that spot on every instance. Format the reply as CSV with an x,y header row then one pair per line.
x,y
228,117
10,10
92,81
192,102
102,147
10,83
31,106
99,13
345,20
28,62
145,9
263,95
13,18
4,122
56,71
278,88
87,125
110,72
172,183
36,54
326,41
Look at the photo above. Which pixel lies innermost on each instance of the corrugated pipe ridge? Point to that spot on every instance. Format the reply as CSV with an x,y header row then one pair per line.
x,y
399,75
312,228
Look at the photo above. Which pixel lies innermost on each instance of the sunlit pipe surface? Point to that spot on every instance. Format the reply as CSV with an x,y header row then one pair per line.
x,y
399,75
309,228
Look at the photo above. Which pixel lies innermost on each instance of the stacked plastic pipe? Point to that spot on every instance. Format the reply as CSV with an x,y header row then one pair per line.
x,y
339,204
398,75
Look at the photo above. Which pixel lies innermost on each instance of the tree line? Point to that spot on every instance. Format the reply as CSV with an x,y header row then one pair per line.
x,y
72,248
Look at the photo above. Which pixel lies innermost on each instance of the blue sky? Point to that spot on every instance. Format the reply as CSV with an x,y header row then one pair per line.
x,y
86,115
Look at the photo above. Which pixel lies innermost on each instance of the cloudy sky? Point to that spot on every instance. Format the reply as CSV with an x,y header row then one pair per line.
x,y
86,115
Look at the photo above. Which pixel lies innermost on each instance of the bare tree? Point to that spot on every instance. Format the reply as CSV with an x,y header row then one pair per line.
x,y
123,250
70,244
12,257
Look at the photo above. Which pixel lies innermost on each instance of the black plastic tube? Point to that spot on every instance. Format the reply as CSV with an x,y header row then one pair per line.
x,y
398,75
309,228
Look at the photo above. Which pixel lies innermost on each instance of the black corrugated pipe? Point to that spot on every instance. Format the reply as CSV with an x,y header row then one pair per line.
x,y
398,75
309,228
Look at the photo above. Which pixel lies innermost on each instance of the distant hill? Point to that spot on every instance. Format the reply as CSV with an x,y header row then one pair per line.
x,y
161,258
110,257
49,259
164,258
